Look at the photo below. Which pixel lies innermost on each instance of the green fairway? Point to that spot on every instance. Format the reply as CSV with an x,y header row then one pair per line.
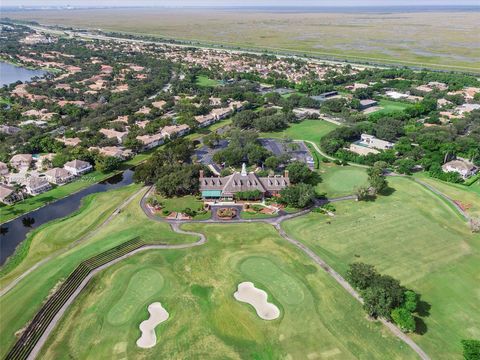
x,y
205,81
340,180
312,130
318,319
23,301
416,237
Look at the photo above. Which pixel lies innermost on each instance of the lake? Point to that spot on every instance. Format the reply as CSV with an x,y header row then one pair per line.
x,y
11,73
15,231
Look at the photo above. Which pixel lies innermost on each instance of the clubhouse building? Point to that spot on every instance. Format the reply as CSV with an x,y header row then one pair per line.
x,y
225,188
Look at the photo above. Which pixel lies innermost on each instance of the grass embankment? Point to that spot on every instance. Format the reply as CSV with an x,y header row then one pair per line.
x,y
21,303
196,286
312,130
468,197
416,237
50,237
9,212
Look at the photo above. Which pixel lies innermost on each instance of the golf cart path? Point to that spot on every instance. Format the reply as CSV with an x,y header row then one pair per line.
x,y
343,283
276,223
58,316
175,225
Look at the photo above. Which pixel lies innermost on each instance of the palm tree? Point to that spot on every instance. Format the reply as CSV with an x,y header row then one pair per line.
x,y
18,189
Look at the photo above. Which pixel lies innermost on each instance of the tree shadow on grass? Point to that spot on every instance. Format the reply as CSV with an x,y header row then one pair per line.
x,y
387,191
420,326
423,308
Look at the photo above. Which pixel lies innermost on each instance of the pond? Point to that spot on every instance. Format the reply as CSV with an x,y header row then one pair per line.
x,y
11,73
15,231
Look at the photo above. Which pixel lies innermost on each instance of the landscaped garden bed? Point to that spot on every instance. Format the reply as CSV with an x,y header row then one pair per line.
x,y
189,206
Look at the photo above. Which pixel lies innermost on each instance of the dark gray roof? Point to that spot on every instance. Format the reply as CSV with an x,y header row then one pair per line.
x,y
237,182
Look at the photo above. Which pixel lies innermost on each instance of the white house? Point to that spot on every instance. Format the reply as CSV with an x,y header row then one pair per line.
x,y
151,141
463,167
204,120
36,185
178,130
58,176
113,134
77,167
372,142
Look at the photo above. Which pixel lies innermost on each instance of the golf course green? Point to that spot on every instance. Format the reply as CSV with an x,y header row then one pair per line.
x,y
318,319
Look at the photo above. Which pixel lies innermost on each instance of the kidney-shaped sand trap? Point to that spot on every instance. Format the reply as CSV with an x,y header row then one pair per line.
x,y
247,292
157,315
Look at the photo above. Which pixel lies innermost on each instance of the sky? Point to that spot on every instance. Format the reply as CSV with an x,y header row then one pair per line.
x,y
180,3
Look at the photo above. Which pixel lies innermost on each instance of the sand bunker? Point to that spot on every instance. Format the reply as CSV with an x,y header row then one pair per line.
x,y
247,292
157,315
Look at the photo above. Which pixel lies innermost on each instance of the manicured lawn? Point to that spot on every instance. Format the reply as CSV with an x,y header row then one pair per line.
x,y
417,238
254,215
179,204
390,106
20,304
340,180
318,319
206,81
312,130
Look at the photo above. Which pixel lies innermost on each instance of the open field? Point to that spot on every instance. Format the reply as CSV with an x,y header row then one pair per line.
x,y
415,237
21,303
206,81
440,39
340,180
312,130
196,286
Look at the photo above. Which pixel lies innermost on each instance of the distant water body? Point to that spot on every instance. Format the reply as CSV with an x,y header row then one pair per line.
x,y
11,73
